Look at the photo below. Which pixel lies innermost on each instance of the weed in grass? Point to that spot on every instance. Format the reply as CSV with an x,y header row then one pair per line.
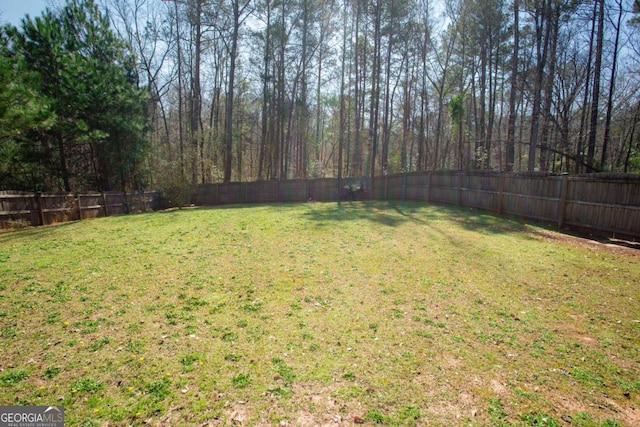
x,y
253,306
51,372
229,336
397,313
540,419
189,361
53,317
285,372
496,412
96,345
422,333
159,389
241,380
349,376
8,332
232,357
586,376
407,416
12,376
86,385
582,419
280,392
88,326
193,303
374,415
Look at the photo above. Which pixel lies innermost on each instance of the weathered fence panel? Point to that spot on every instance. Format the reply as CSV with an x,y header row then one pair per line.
x,y
323,190
611,205
295,190
416,186
262,192
480,191
19,209
444,187
534,197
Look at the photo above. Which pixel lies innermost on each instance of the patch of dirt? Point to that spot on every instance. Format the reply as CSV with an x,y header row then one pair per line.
x,y
315,406
498,388
614,246
628,416
632,416
465,405
238,414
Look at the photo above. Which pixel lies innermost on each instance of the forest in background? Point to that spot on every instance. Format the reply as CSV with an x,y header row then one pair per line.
x,y
166,94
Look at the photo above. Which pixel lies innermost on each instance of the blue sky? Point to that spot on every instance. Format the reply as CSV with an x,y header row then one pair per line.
x,y
13,11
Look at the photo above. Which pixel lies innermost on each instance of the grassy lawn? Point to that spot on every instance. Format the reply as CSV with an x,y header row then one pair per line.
x,y
314,314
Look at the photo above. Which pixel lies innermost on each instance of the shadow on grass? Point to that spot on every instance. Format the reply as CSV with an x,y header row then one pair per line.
x,y
387,213
486,222
34,231
393,213
376,212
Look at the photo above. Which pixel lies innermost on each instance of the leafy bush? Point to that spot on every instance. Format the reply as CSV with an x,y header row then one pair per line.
x,y
174,190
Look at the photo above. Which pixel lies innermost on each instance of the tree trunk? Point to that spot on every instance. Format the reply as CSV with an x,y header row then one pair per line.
x,y
233,53
583,115
542,43
553,22
375,92
591,146
511,132
607,126
196,96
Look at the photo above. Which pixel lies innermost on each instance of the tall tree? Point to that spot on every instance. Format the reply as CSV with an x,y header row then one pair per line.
x,y
614,64
511,127
89,76
595,98
237,17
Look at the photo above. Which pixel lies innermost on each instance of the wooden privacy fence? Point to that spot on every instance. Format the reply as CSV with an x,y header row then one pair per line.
x,y
19,208
596,203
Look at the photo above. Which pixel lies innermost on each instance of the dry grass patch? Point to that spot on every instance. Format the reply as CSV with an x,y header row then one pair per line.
x,y
319,314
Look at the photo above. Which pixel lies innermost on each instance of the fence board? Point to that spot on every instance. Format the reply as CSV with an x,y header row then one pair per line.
x,y
18,209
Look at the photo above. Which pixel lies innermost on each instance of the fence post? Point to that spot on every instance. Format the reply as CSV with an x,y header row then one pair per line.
x,y
79,206
104,203
246,193
460,188
406,185
500,193
386,187
40,209
126,202
428,186
562,202
278,191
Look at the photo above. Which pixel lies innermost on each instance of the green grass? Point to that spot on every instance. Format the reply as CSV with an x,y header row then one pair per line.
x,y
392,314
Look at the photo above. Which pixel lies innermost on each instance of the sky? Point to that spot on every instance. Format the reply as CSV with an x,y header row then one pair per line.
x,y
12,11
